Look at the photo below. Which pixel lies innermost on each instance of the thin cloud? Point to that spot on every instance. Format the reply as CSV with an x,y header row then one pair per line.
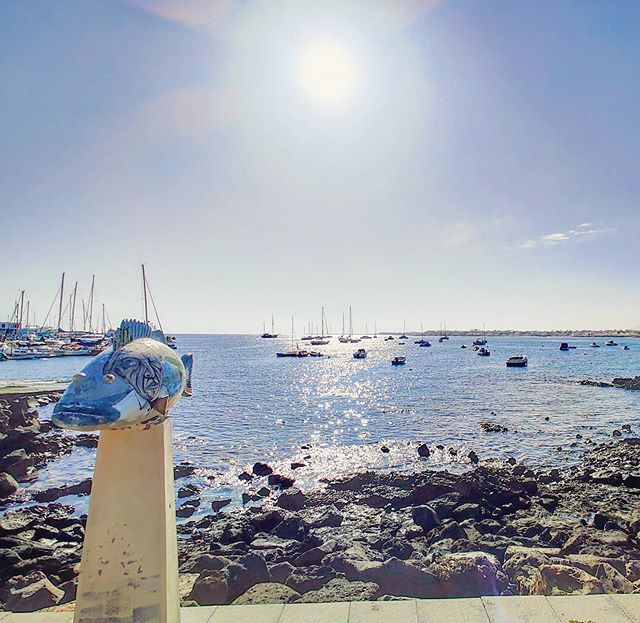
x,y
584,231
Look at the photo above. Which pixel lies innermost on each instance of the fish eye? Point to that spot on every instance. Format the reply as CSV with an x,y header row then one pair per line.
x,y
109,378
78,377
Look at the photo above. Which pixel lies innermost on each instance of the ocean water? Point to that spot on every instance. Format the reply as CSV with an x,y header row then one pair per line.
x,y
248,405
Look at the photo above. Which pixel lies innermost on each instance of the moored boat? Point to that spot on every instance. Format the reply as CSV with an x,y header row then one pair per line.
x,y
517,361
611,343
483,352
398,361
361,353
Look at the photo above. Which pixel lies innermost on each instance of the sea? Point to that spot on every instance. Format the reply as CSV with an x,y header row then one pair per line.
x,y
335,414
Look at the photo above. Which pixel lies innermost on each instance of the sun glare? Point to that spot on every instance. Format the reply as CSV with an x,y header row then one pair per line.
x,y
327,73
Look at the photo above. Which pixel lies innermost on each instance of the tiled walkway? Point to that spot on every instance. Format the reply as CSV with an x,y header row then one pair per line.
x,y
592,608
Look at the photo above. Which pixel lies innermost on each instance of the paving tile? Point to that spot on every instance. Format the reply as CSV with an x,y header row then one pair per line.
x,y
534,609
596,608
451,611
267,613
38,617
403,611
200,614
315,613
630,604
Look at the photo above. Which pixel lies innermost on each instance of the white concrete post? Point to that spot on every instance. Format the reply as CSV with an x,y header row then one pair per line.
x,y
129,566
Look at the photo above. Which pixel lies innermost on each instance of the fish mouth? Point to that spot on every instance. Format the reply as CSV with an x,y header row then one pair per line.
x,y
83,417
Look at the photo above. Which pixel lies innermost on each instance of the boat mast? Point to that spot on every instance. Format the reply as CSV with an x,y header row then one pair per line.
x,y
342,324
273,324
27,317
90,307
350,322
73,307
144,290
21,310
104,324
60,306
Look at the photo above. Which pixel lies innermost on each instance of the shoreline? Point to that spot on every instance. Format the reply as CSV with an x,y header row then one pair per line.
x,y
499,528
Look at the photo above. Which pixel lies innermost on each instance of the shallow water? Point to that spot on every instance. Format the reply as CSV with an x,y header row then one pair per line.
x,y
249,405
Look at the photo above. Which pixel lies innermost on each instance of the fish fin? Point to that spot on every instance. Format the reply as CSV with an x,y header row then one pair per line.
x,y
130,330
160,405
187,360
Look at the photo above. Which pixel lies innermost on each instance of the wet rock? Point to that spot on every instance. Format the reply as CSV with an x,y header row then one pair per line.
x,y
17,463
341,589
85,440
245,476
183,470
291,528
8,485
296,465
467,511
267,593
493,427
282,482
473,457
216,505
188,490
292,500
262,469
31,593
616,433
627,383
50,495
423,451
188,508
385,450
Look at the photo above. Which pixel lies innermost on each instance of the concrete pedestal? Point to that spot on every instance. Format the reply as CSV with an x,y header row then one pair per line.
x,y
129,568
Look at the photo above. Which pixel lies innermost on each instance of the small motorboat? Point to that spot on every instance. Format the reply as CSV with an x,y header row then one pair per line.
x,y
424,343
354,340
443,338
564,346
517,361
361,353
610,343
402,343
480,342
594,345
365,337
342,339
316,353
398,361
483,352
389,337
319,342
463,346
625,347
403,337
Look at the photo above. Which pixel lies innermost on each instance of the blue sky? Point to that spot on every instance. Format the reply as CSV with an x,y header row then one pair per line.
x,y
483,167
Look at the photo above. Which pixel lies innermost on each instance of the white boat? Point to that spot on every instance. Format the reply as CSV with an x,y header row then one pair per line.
x,y
517,361
361,353
483,352
398,361
320,340
611,343
23,352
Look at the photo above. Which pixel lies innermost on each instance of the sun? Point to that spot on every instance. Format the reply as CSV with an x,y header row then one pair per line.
x,y
327,72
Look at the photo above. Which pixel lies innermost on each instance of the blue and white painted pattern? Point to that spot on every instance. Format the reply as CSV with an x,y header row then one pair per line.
x,y
124,387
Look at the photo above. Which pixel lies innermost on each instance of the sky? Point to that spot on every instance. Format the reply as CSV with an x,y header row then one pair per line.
x,y
424,161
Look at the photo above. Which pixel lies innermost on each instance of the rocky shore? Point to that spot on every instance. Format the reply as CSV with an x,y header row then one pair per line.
x,y
498,529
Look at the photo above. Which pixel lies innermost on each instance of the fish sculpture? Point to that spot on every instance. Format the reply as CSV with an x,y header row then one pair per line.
x,y
131,384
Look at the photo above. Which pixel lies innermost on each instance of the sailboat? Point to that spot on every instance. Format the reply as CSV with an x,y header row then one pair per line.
x,y
366,335
444,336
273,334
404,331
422,341
343,339
352,340
322,341
295,349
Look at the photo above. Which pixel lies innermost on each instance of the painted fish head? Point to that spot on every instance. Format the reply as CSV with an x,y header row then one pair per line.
x,y
115,390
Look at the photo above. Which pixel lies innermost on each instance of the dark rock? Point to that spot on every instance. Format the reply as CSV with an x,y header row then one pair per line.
x,y
385,450
31,593
309,578
262,469
280,572
292,500
188,491
473,457
330,518
8,485
283,482
467,511
264,492
493,427
425,517
183,470
90,441
188,508
245,476
216,505
50,495
423,451
292,528
296,465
